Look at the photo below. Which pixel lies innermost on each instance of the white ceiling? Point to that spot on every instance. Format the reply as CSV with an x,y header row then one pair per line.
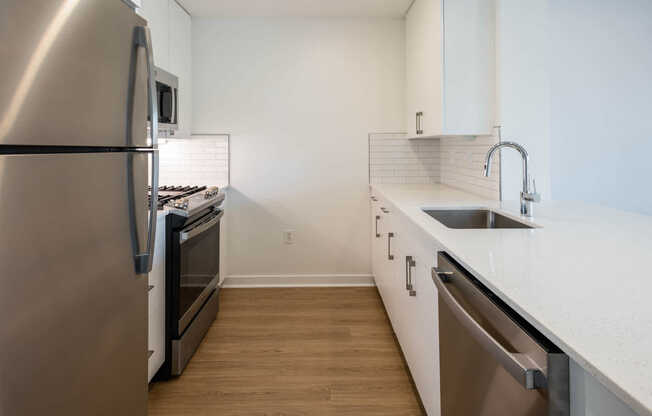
x,y
296,8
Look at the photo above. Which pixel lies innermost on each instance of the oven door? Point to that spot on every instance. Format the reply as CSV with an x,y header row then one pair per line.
x,y
199,266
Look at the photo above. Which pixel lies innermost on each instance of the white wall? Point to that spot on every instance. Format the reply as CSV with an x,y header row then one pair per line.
x,y
299,97
601,101
524,92
575,87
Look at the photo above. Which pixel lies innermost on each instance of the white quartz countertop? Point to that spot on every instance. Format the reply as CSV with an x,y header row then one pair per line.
x,y
584,279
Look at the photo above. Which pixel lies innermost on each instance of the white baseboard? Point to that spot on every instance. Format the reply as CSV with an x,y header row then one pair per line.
x,y
299,280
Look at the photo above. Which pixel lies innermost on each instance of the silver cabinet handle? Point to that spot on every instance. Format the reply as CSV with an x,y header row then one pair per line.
x,y
408,259
409,264
420,122
517,365
377,219
198,229
390,256
143,39
385,210
373,198
416,122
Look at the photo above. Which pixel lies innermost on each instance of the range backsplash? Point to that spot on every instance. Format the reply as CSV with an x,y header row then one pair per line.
x,y
199,160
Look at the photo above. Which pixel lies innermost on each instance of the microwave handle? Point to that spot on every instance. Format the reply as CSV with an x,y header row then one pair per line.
x,y
175,97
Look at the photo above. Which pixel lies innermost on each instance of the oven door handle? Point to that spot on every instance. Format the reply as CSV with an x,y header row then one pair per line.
x,y
185,236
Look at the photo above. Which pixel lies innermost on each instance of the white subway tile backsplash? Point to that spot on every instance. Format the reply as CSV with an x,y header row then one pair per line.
x,y
455,162
394,159
199,160
462,163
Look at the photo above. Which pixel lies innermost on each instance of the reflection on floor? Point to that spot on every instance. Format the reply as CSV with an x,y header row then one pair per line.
x,y
293,351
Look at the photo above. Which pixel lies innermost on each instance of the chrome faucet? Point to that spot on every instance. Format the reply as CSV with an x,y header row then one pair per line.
x,y
529,194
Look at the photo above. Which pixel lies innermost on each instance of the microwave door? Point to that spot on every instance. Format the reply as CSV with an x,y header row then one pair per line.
x,y
166,106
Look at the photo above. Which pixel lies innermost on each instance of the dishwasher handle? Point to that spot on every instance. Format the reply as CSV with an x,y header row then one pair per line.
x,y
519,366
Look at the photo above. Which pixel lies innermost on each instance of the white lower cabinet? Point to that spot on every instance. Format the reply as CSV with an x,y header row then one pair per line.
x,y
400,256
414,316
422,342
156,308
380,225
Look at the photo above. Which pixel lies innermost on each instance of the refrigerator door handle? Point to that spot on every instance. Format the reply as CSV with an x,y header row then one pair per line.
x,y
144,260
143,38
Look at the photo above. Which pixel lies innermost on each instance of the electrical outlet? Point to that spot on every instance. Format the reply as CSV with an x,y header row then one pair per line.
x,y
288,236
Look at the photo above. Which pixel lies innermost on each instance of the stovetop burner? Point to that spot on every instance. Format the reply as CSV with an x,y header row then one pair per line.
x,y
167,194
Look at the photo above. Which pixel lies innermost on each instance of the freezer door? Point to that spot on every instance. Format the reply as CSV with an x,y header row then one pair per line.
x,y
72,74
74,329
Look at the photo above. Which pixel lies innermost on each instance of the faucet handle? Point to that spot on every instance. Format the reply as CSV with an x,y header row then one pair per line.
x,y
532,196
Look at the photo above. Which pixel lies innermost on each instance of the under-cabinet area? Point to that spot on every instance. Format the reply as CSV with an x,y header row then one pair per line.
x,y
341,207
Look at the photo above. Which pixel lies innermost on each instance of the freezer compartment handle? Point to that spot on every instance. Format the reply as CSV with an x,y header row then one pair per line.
x,y
519,366
143,39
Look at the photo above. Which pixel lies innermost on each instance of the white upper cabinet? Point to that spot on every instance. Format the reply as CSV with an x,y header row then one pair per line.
x,y
181,64
171,29
450,68
157,14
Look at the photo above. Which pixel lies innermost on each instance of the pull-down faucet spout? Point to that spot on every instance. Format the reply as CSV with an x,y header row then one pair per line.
x,y
529,194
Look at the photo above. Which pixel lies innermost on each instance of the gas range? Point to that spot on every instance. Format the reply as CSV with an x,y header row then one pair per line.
x,y
192,269
187,200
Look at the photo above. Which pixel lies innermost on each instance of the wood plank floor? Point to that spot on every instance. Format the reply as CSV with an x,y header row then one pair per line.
x,y
293,351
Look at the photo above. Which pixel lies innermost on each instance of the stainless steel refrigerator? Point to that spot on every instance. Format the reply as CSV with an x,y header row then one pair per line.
x,y
76,234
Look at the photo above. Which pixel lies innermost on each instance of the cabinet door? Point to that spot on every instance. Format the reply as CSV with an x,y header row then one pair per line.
x,y
376,238
181,64
432,71
424,68
425,329
157,14
387,263
418,318
469,62
156,299
413,67
398,301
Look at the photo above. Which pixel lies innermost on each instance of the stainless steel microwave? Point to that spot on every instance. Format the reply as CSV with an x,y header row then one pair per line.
x,y
167,97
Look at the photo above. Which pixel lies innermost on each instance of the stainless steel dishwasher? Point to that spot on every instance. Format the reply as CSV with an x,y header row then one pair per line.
x,y
493,363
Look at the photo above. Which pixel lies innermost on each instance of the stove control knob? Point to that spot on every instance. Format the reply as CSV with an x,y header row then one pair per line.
x,y
181,203
211,192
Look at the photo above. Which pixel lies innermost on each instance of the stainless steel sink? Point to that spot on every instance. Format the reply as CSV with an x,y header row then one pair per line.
x,y
473,218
